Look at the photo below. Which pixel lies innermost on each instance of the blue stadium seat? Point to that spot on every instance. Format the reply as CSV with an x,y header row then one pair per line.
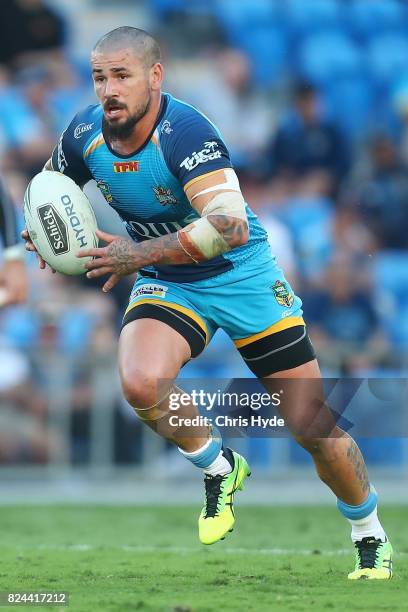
x,y
390,272
267,50
310,222
327,56
367,18
245,14
312,15
350,102
388,56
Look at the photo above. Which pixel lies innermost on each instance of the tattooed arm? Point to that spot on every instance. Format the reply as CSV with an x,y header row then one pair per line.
x,y
123,256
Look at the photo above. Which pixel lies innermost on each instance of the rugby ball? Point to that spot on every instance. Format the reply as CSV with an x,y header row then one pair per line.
x,y
60,221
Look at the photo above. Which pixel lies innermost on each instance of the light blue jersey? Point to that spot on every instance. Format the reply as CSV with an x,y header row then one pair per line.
x,y
242,291
146,188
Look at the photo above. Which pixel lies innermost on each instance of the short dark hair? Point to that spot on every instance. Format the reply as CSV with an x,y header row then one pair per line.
x,y
142,43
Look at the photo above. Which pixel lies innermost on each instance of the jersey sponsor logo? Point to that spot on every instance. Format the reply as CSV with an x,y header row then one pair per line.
x,y
105,190
82,128
155,230
126,166
155,290
283,296
164,195
55,229
166,127
209,153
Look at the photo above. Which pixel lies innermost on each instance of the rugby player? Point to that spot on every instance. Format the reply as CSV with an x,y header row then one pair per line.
x,y
201,257
13,276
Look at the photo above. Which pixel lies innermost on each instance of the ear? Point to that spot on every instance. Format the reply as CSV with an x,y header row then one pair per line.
x,y
156,76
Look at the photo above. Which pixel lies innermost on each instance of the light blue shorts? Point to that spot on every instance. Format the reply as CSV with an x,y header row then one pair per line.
x,y
248,302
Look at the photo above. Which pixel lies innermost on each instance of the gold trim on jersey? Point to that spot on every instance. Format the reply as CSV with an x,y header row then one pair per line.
x,y
273,329
190,313
201,177
96,142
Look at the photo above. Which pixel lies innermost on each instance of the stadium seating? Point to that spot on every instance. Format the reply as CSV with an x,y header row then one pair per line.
x,y
390,273
350,102
313,15
327,56
366,18
387,55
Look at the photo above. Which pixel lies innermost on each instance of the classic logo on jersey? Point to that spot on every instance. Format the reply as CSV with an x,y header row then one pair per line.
x,y
209,153
283,296
82,128
154,290
105,190
126,166
55,229
166,127
164,195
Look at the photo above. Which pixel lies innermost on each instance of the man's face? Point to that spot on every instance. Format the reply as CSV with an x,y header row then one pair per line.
x,y
121,84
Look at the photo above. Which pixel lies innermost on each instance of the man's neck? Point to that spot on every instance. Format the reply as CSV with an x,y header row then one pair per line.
x,y
140,132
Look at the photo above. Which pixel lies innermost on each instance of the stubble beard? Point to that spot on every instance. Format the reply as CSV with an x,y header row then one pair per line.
x,y
123,131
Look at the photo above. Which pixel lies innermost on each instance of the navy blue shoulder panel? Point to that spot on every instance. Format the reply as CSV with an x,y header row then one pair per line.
x,y
68,155
191,144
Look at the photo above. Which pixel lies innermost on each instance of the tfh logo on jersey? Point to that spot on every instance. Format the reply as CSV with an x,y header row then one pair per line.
x,y
126,166
209,153
164,195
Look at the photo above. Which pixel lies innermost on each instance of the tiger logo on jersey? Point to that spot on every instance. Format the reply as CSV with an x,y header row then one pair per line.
x,y
283,296
164,195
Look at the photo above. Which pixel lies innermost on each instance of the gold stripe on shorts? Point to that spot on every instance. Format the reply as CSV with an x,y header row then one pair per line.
x,y
190,313
273,329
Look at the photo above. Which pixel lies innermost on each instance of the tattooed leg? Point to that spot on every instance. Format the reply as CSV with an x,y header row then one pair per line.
x,y
341,466
338,460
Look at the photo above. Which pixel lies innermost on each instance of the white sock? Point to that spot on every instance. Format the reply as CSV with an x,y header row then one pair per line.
x,y
220,466
369,526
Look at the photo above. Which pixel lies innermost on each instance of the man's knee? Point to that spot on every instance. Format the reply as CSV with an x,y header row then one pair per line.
x,y
143,389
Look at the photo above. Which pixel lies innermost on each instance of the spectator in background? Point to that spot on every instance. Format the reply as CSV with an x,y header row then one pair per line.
x,y
29,28
379,195
220,84
309,145
341,315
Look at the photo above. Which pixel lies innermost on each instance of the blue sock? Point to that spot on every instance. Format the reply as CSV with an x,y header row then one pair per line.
x,y
356,513
205,456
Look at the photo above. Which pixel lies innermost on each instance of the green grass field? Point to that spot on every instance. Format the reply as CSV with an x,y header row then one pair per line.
x,y
123,558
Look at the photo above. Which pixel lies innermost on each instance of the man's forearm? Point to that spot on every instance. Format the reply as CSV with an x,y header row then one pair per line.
x,y
167,250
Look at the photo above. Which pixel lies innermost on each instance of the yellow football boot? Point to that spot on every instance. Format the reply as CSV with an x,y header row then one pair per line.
x,y
373,560
217,517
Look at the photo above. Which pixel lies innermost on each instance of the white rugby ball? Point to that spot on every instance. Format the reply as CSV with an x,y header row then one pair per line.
x,y
60,221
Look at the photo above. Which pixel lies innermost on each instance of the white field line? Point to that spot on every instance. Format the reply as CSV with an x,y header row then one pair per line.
x,y
184,550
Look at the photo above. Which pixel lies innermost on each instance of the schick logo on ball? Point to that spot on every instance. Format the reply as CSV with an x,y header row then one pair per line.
x,y
74,221
55,229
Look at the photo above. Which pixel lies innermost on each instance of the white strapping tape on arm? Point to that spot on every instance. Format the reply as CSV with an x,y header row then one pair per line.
x,y
205,237
231,184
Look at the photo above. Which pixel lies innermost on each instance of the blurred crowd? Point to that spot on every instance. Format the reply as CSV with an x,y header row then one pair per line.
x,y
312,101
